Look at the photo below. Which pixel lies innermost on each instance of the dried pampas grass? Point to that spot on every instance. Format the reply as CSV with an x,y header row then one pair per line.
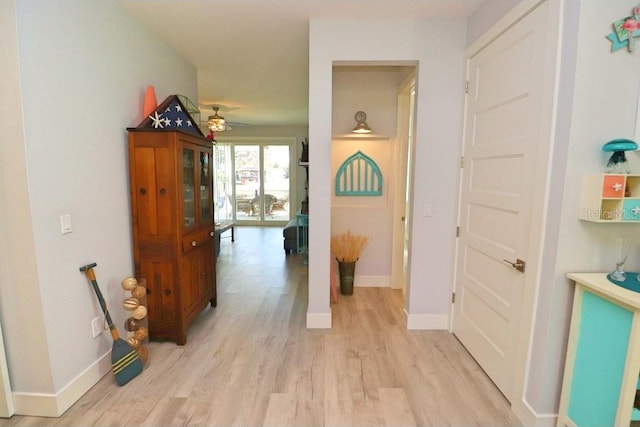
x,y
347,247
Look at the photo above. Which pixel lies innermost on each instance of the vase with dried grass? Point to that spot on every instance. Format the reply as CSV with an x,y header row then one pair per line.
x,y
346,248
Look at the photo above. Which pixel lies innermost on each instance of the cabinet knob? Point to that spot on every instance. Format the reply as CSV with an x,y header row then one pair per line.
x,y
143,191
194,244
163,191
167,292
211,233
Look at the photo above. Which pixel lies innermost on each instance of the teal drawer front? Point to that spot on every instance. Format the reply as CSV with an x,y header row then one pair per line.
x,y
631,210
599,363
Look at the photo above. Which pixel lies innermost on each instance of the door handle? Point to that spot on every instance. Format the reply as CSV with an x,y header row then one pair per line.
x,y
518,265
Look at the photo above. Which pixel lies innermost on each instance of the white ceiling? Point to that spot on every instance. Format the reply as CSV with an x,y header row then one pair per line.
x,y
252,55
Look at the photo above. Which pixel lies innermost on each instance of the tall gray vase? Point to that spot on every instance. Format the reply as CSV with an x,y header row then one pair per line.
x,y
347,271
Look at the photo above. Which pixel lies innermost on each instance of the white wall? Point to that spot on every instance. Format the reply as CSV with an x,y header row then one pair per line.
x,y
602,106
437,47
370,216
83,68
487,14
373,90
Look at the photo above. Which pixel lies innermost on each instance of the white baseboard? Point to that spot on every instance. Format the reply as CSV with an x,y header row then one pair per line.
x,y
318,320
427,321
54,405
371,281
529,417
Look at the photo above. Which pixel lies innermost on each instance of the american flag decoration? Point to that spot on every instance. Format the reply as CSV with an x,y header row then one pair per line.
x,y
171,114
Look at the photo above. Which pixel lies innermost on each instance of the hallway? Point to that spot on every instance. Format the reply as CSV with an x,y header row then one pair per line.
x,y
252,362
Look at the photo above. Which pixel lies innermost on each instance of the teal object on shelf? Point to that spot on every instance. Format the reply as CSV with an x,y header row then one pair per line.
x,y
630,282
620,144
359,175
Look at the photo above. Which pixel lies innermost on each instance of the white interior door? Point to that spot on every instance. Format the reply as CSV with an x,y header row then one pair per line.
x,y
400,245
501,157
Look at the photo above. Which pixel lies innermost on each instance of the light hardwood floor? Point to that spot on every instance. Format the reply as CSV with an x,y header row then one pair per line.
x,y
251,362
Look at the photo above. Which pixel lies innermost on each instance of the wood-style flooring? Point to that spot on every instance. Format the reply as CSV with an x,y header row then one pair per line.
x,y
251,361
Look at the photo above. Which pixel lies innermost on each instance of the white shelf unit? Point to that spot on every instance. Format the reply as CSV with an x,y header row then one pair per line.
x,y
610,198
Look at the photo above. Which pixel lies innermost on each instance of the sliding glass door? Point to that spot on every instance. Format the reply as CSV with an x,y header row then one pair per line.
x,y
252,182
246,159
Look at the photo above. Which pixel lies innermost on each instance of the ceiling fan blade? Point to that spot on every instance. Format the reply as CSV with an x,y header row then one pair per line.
x,y
238,124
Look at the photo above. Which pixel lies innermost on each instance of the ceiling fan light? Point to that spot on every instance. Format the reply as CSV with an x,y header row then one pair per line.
x,y
216,123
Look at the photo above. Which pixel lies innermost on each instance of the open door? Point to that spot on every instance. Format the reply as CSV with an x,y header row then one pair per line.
x,y
404,144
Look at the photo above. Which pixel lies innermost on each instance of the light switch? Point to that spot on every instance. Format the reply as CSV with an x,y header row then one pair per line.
x,y
65,224
427,209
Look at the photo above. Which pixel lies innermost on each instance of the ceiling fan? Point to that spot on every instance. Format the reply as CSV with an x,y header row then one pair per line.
x,y
218,123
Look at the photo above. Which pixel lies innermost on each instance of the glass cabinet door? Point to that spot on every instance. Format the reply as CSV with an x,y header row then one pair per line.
x,y
206,204
188,192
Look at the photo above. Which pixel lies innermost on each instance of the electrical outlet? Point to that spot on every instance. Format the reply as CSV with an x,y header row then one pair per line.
x,y
96,326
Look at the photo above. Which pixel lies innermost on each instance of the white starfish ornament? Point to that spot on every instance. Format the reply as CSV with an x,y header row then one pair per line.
x,y
158,120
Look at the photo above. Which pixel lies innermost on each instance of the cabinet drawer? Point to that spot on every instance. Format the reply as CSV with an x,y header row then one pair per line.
x,y
194,240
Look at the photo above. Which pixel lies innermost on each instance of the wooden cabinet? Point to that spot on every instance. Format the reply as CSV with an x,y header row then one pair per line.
x,y
610,198
173,227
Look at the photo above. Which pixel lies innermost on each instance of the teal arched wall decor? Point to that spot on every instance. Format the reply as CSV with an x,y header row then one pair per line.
x,y
359,175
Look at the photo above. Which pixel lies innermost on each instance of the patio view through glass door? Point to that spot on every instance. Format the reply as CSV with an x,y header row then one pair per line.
x,y
252,182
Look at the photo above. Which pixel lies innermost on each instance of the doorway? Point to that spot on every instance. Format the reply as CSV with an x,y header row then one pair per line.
x,y
384,92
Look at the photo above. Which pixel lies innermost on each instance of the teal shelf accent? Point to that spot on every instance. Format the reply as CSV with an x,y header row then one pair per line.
x,y
359,175
631,210
599,364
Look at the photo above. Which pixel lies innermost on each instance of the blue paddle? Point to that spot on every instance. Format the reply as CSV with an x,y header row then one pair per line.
x,y
125,362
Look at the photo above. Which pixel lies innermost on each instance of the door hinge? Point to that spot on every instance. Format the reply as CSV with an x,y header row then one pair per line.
x,y
458,231
461,162
466,86
453,297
